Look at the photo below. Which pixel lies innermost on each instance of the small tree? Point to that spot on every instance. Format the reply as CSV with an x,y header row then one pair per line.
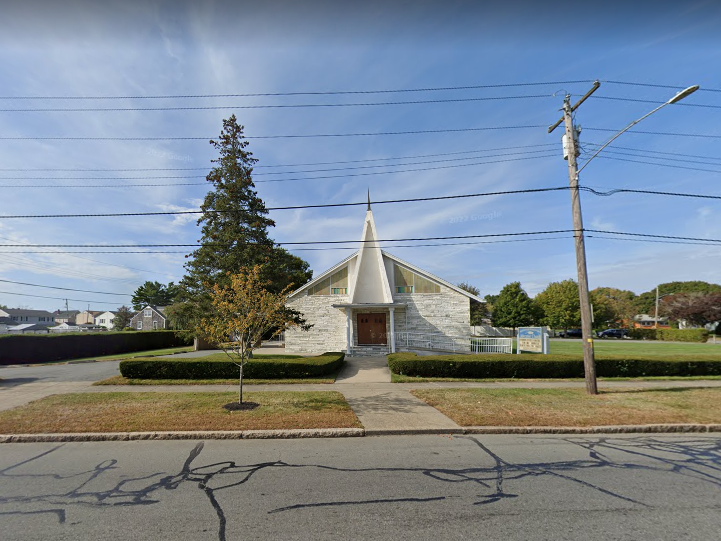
x,y
478,309
695,308
514,308
122,318
243,311
560,304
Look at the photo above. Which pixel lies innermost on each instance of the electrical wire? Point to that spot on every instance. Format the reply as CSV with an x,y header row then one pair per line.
x,y
702,135
651,85
654,102
102,303
65,288
260,166
307,93
294,207
296,136
267,106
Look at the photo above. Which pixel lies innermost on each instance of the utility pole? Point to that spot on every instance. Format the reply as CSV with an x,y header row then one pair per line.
x,y
655,317
570,147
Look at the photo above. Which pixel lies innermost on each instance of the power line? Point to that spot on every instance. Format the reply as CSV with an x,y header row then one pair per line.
x,y
702,135
259,166
300,171
671,237
680,160
651,85
56,298
66,288
298,136
650,192
267,106
307,93
686,167
294,207
598,145
296,179
654,102
300,243
655,241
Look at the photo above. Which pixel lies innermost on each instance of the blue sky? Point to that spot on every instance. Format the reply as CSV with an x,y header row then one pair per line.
x,y
151,49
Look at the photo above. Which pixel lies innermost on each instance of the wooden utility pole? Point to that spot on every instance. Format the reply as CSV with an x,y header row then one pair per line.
x,y
570,146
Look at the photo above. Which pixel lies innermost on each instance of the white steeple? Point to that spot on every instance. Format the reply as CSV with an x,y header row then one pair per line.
x,y
369,283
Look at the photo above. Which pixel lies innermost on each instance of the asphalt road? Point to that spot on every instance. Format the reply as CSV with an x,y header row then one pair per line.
x,y
413,487
60,372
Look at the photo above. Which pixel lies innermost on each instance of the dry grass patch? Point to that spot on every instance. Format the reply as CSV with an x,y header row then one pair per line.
x,y
573,407
120,380
146,412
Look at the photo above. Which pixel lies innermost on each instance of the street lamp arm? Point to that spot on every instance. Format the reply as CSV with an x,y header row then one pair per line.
x,y
678,97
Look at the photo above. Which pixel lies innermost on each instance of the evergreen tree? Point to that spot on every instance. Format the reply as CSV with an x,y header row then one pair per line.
x,y
234,234
514,308
235,224
155,294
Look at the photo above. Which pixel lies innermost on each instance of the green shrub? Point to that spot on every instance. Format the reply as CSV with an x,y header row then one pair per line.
x,y
642,334
256,368
548,366
683,335
39,348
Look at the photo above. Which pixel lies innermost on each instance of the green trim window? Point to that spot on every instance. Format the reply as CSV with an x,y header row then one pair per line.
x,y
409,282
335,284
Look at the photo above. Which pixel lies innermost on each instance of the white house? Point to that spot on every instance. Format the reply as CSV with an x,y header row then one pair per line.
x,y
373,303
20,316
105,319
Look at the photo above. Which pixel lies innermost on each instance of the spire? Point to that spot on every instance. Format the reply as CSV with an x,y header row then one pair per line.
x,y
369,198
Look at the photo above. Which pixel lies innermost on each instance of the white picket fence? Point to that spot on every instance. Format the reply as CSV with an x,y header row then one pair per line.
x,y
463,344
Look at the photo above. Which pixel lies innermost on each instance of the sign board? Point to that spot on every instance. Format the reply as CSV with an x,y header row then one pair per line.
x,y
532,339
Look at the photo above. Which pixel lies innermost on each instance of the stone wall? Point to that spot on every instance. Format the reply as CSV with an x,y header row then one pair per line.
x,y
447,312
329,324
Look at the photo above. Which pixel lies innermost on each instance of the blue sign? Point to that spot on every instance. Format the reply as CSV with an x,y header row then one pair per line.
x,y
530,332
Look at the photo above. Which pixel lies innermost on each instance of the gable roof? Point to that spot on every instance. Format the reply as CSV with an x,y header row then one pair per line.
x,y
23,312
371,252
157,309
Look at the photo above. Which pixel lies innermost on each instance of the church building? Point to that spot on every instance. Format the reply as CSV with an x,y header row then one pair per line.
x,y
373,303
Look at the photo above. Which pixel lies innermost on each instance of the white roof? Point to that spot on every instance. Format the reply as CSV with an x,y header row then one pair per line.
x,y
370,283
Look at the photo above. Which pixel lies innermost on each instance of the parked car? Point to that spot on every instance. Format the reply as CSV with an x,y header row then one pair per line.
x,y
571,333
613,333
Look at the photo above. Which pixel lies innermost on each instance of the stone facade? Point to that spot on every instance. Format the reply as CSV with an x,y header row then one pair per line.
x,y
144,322
447,312
329,324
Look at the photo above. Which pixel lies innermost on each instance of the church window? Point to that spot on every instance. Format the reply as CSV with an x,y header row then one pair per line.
x,y
410,282
335,284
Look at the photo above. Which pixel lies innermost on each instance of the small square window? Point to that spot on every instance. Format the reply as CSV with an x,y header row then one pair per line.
x,y
148,313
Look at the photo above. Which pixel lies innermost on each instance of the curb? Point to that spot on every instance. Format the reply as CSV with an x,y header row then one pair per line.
x,y
354,433
190,435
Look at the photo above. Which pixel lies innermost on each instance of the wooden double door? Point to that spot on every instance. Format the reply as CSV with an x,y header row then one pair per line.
x,y
372,329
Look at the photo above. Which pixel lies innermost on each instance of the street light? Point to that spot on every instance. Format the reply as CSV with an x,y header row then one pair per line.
x,y
570,142
678,97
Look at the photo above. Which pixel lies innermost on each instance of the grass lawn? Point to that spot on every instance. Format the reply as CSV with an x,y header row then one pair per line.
x,y
143,412
573,407
120,380
646,348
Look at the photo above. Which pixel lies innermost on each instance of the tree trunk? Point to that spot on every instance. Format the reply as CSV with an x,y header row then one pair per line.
x,y
240,385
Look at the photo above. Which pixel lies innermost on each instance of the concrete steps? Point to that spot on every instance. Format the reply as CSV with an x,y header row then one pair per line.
x,y
369,351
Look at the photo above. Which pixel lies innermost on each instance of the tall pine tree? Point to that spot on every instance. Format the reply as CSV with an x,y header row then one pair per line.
x,y
234,232
235,224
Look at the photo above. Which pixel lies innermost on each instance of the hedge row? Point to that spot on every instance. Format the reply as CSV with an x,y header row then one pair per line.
x,y
39,348
256,368
670,335
549,366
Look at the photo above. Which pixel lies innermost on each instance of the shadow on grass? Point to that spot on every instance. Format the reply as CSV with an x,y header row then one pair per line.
x,y
654,390
241,406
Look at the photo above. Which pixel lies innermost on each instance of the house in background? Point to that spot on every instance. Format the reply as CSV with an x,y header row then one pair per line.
x,y
105,319
373,303
5,324
644,321
86,317
65,316
29,328
21,316
149,318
